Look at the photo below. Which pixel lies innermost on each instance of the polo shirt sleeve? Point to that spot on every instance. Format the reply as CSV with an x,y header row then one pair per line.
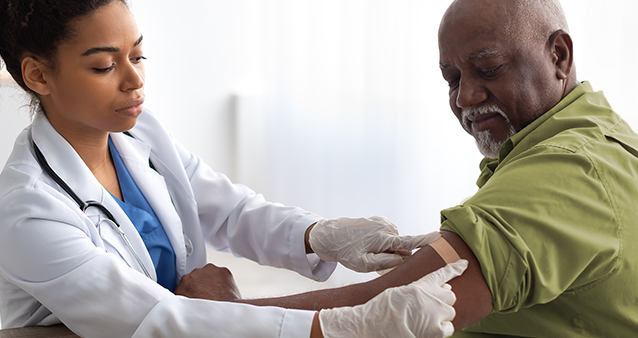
x,y
542,225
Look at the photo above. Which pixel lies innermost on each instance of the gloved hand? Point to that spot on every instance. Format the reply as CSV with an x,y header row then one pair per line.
x,y
422,309
364,244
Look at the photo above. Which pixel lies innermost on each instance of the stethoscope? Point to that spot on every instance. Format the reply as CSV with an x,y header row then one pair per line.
x,y
110,219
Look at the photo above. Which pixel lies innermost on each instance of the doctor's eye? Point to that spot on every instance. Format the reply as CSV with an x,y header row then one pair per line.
x,y
104,70
138,59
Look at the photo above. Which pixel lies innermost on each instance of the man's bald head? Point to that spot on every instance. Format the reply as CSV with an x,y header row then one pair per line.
x,y
532,21
536,20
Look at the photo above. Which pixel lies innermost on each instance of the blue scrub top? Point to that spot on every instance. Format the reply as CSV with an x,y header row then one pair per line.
x,y
147,224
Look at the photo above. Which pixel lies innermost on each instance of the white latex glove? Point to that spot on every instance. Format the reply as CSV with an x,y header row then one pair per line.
x,y
364,244
422,309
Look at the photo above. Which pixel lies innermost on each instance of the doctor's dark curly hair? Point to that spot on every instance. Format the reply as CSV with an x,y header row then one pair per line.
x,y
36,28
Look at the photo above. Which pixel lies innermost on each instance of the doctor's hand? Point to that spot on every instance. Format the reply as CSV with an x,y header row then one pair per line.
x,y
210,282
421,309
363,244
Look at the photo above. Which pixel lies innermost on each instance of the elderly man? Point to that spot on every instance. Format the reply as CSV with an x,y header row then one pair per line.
x,y
553,224
550,235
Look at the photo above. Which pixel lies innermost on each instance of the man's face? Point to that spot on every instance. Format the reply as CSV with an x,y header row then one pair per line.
x,y
498,84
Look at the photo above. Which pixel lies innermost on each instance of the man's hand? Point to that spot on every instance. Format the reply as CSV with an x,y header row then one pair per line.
x,y
363,244
421,309
210,282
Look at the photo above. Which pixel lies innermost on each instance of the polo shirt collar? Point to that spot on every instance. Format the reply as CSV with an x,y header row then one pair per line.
x,y
489,166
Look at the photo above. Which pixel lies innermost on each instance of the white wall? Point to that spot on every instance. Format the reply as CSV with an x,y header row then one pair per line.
x,y
343,101
14,114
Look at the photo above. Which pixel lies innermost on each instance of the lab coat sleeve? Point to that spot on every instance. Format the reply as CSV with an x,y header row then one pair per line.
x,y
46,250
234,218
224,320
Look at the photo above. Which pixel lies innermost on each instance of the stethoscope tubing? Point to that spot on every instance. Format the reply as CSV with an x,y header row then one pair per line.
x,y
85,205
117,229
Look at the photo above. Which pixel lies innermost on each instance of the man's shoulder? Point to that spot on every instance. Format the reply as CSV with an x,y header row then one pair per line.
x,y
582,128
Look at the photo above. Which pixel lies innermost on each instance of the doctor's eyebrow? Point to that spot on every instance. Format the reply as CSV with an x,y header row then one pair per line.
x,y
109,49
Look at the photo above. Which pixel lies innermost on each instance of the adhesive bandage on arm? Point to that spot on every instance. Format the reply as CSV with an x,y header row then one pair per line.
x,y
445,250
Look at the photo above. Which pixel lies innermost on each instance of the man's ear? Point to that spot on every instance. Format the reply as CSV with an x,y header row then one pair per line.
x,y
562,49
34,75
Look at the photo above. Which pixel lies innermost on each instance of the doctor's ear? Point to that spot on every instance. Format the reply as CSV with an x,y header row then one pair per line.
x,y
34,75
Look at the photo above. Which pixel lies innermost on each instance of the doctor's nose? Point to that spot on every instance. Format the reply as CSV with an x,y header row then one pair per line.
x,y
133,77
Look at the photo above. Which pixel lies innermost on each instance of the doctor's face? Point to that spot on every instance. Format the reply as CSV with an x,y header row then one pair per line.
x,y
97,85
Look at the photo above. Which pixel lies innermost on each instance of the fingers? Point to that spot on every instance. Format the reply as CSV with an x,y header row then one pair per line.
x,y
396,249
447,313
381,261
443,275
448,328
409,243
444,293
441,314
454,269
386,222
423,240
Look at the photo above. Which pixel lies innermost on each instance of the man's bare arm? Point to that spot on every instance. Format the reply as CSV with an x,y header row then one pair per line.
x,y
474,299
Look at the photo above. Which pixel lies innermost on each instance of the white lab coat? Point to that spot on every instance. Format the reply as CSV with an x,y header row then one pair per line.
x,y
58,267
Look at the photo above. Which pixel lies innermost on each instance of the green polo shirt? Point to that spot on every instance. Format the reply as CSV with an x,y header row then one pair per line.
x,y
554,225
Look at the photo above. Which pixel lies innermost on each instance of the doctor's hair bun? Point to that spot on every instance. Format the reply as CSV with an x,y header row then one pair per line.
x,y
36,28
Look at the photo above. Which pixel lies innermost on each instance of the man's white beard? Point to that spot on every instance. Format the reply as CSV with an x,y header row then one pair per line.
x,y
486,145
484,141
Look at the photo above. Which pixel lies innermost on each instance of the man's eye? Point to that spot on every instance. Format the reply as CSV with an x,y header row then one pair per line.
x,y
491,72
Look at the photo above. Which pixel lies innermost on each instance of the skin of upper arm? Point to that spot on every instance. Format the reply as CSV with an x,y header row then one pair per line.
x,y
473,297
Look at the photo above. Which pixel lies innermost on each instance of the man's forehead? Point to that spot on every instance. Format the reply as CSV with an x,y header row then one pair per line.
x,y
469,35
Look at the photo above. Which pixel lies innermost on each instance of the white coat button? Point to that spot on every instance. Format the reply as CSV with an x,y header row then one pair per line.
x,y
189,245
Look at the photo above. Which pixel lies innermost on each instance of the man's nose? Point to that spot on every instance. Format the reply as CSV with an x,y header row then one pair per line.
x,y
470,93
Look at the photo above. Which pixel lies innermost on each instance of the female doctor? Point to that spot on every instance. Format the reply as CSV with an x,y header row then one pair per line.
x,y
102,212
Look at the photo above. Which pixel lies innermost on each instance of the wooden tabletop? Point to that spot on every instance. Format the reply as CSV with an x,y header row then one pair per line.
x,y
55,331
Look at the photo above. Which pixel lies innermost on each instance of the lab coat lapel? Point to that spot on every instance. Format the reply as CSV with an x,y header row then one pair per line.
x,y
64,161
67,164
135,155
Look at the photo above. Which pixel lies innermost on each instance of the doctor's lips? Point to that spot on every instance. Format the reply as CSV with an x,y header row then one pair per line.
x,y
132,108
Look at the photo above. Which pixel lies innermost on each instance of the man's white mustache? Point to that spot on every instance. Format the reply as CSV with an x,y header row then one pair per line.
x,y
478,110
